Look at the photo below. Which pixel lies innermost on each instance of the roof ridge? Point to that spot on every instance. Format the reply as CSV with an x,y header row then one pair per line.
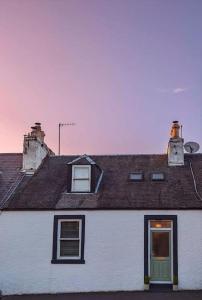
x,y
80,155
10,153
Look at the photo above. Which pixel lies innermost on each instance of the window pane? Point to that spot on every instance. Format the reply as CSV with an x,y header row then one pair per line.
x,y
136,176
81,172
81,186
160,224
69,229
160,244
69,248
158,176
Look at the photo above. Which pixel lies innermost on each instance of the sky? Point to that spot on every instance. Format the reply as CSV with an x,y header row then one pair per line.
x,y
121,70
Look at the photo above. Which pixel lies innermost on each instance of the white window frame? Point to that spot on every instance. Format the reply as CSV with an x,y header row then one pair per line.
x,y
59,239
73,179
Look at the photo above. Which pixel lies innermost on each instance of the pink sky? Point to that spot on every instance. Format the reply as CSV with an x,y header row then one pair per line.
x,y
121,70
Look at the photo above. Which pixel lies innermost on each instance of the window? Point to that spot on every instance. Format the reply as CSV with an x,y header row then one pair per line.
x,y
136,176
81,176
158,176
68,239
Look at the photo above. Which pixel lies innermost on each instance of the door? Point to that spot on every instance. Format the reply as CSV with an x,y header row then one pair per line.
x,y
160,255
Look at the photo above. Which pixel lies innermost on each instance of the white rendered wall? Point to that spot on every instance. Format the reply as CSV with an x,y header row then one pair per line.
x,y
114,252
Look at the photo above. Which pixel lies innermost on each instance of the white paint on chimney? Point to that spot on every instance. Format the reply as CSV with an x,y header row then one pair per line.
x,y
175,147
34,149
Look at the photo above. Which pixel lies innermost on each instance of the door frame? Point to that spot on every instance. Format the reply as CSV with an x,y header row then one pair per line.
x,y
170,230
174,248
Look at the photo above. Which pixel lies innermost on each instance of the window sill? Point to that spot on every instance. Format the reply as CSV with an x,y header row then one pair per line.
x,y
68,261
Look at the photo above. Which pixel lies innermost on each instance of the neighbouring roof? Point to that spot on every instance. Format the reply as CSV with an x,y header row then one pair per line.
x,y
46,189
10,175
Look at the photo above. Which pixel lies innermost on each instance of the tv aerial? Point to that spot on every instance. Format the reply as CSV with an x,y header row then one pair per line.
x,y
59,127
191,147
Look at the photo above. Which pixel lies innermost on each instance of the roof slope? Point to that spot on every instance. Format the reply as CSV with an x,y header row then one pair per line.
x,y
10,175
47,188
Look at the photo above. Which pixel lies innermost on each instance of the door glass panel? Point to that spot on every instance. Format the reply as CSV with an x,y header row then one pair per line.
x,y
160,244
160,224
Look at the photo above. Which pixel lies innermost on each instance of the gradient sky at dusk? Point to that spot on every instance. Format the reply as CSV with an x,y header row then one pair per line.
x,y
122,70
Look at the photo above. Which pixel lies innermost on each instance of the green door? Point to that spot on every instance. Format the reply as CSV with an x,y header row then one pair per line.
x,y
160,255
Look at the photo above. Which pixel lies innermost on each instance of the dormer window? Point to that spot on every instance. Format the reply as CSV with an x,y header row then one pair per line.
x,y
81,178
83,175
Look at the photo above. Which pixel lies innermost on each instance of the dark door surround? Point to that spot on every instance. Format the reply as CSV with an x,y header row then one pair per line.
x,y
173,218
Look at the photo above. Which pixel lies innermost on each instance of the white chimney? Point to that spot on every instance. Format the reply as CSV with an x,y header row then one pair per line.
x,y
34,149
175,146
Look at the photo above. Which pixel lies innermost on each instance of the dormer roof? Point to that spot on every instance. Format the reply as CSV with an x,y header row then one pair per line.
x,y
82,158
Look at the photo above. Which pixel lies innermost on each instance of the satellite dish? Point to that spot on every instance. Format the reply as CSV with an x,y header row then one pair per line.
x,y
191,147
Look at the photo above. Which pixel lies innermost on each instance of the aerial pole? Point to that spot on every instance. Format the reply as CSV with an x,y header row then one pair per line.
x,y
59,127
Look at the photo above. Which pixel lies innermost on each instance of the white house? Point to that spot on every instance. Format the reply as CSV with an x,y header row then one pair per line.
x,y
101,223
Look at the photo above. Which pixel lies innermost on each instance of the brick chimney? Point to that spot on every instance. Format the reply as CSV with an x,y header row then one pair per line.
x,y
175,146
34,149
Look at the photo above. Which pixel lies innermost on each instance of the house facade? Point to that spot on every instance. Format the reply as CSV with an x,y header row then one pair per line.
x,y
102,223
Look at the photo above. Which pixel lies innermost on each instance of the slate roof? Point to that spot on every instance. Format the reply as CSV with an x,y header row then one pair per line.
x,y
46,189
10,175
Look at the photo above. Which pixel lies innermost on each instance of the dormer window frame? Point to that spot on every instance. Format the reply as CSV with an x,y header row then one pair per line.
x,y
73,189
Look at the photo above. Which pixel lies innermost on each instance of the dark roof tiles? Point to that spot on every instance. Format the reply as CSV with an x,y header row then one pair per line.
x,y
47,188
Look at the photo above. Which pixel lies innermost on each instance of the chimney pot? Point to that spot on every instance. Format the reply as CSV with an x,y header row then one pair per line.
x,y
175,130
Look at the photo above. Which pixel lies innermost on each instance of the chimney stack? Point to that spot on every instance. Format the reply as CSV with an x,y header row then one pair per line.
x,y
34,149
175,146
